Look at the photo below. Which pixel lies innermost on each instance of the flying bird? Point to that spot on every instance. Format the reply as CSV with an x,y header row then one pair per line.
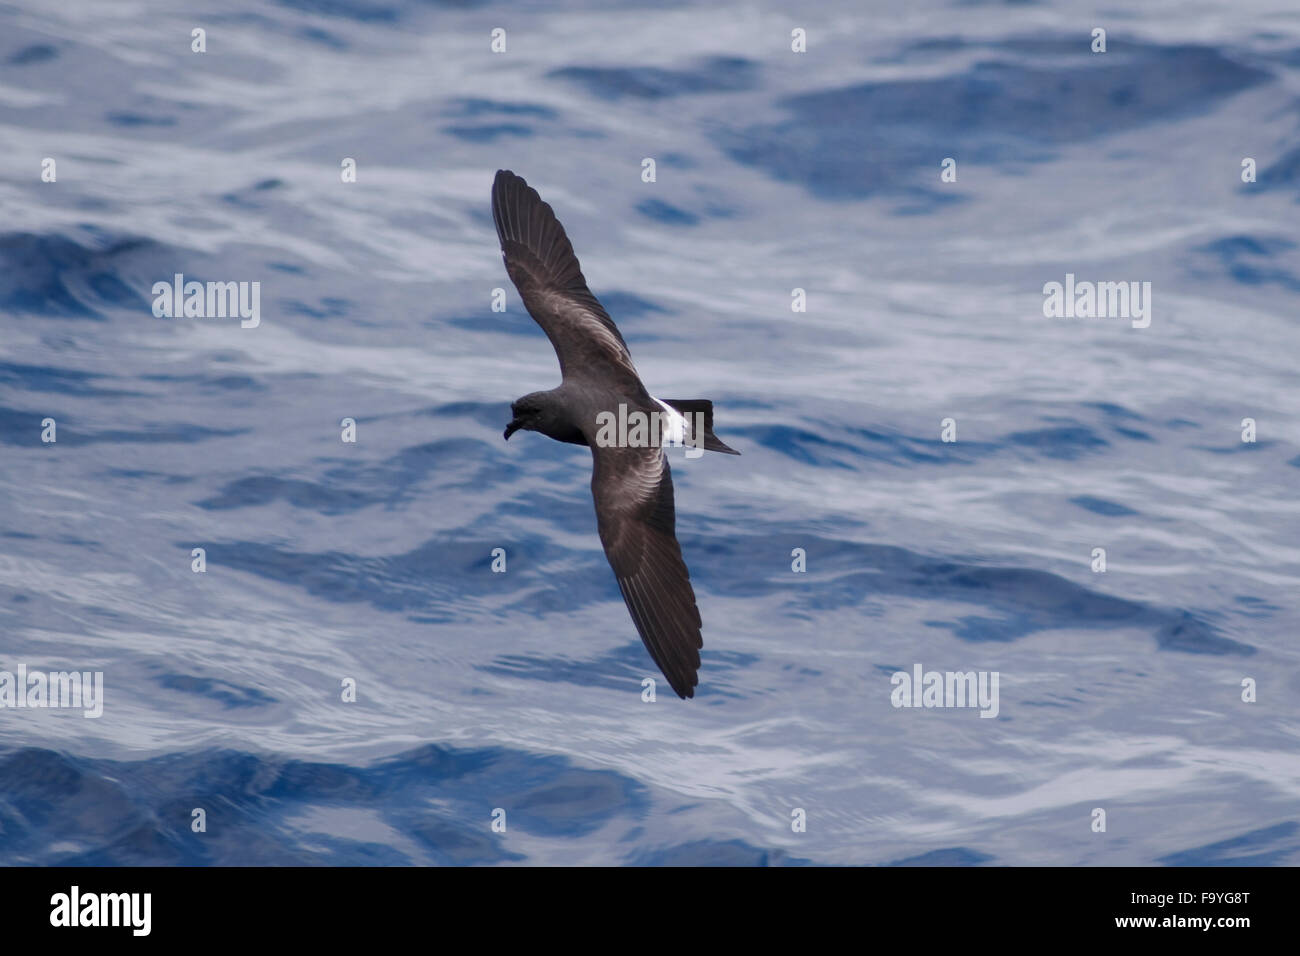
x,y
630,479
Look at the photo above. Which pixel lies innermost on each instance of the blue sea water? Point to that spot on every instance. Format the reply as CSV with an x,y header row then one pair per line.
x,y
372,561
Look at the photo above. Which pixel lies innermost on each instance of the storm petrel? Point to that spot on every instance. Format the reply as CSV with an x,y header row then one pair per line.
x,y
630,479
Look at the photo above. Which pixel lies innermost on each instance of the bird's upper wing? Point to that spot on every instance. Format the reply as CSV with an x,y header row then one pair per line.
x,y
633,489
541,264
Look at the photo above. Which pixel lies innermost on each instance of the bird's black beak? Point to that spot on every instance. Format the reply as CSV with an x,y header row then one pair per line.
x,y
513,427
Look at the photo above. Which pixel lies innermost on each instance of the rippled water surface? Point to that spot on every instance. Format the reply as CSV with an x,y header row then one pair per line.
x,y
372,560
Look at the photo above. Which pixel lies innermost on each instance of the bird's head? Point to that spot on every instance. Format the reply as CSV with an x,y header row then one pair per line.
x,y
526,414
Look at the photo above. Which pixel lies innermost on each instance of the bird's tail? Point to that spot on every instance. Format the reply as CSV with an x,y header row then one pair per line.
x,y
690,407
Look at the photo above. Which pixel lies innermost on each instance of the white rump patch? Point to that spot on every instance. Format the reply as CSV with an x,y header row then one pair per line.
x,y
676,426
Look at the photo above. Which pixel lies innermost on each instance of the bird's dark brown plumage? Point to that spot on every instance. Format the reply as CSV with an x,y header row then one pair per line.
x,y
632,487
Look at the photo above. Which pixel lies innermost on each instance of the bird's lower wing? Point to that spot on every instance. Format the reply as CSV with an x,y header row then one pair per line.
x,y
633,490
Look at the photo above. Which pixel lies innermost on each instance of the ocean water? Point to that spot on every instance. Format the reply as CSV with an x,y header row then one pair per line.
x,y
371,562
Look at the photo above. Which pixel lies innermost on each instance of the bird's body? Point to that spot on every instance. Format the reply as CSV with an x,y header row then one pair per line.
x,y
599,395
